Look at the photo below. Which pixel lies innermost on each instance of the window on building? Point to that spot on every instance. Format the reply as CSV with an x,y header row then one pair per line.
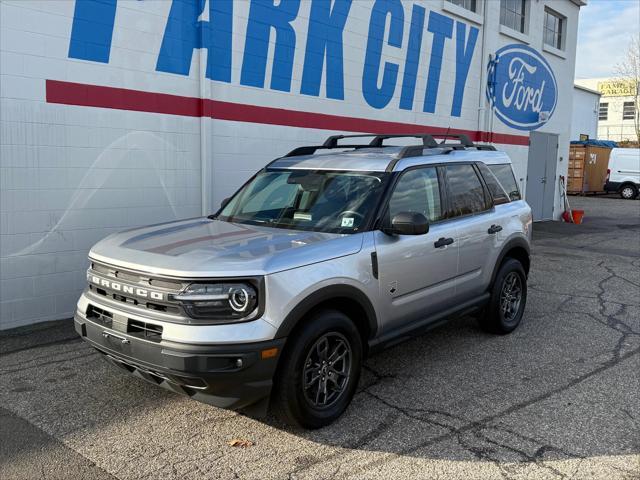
x,y
468,4
513,14
603,113
628,110
554,29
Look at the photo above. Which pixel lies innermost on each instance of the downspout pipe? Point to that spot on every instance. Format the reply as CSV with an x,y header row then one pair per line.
x,y
483,75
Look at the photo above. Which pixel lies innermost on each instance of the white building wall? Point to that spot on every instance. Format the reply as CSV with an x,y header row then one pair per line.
x,y
614,127
584,120
72,172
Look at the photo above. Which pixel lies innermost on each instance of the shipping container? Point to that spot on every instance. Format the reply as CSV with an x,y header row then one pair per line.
x,y
587,169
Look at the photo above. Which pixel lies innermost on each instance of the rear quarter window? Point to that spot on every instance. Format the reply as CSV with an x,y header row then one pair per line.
x,y
498,192
505,176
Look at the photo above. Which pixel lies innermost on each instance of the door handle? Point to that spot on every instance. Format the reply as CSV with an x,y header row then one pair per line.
x,y
494,229
443,242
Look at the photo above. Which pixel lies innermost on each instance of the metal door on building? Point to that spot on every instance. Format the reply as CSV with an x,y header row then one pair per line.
x,y
541,174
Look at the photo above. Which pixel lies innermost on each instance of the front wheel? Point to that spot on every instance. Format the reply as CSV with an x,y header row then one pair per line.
x,y
628,192
319,372
508,299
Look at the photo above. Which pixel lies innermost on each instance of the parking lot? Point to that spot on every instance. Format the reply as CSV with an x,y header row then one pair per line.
x,y
557,398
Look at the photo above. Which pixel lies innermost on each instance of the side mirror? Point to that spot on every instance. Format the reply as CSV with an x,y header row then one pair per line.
x,y
224,202
408,223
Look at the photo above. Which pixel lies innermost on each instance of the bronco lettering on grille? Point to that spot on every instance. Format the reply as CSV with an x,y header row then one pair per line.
x,y
124,288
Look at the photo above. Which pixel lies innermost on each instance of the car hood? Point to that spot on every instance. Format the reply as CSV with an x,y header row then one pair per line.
x,y
211,248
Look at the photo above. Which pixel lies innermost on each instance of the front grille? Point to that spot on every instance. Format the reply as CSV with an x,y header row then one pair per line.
x,y
137,280
135,328
147,331
100,315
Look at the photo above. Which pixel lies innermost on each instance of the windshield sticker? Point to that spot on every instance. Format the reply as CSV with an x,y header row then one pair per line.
x,y
347,222
302,216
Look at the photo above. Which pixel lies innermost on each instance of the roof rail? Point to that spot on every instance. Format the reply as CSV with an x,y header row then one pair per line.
x,y
428,141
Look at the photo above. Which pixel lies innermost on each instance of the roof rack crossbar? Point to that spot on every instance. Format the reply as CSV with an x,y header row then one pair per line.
x,y
332,141
378,139
461,137
311,149
427,139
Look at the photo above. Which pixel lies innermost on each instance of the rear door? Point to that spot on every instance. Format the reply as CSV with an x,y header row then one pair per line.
x,y
416,272
477,229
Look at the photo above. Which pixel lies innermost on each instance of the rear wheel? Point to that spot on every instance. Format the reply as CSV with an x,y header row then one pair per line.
x,y
319,373
628,192
508,299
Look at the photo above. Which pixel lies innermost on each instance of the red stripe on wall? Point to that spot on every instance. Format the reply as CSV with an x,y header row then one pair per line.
x,y
70,93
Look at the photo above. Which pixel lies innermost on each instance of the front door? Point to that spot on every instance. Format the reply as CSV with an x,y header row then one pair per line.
x,y
541,174
416,272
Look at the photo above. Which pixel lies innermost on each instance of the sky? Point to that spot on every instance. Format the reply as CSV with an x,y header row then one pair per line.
x,y
604,30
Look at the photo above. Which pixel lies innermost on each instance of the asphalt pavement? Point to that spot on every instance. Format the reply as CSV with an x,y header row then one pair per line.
x,y
558,398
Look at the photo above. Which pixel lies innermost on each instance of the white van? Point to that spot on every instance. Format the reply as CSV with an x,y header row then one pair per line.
x,y
623,174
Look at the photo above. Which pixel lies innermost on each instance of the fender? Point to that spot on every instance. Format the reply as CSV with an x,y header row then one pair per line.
x,y
519,242
322,295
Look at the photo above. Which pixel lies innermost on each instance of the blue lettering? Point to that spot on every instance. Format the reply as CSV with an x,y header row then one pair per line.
x,y
413,58
464,54
184,33
92,30
442,28
380,97
263,15
326,25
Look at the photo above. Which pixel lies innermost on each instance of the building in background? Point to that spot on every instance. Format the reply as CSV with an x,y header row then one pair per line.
x,y
618,112
117,114
584,120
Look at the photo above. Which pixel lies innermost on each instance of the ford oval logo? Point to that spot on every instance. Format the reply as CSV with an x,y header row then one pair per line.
x,y
522,87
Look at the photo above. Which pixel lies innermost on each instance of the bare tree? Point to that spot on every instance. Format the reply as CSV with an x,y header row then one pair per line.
x,y
628,71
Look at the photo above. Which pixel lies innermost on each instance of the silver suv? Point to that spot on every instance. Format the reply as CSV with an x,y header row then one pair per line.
x,y
316,262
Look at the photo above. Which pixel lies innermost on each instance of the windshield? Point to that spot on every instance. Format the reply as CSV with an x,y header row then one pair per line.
x,y
326,201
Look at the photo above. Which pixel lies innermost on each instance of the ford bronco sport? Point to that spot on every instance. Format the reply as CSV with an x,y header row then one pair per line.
x,y
315,263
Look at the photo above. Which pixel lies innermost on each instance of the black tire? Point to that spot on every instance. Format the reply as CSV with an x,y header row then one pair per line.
x,y
502,315
628,191
293,403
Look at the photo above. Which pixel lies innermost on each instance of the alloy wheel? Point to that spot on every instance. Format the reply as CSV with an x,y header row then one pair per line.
x,y
511,296
327,370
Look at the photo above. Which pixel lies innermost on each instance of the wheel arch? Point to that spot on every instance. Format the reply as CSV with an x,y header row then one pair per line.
x,y
345,298
629,183
517,248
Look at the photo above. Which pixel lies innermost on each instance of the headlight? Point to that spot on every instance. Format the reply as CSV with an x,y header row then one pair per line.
x,y
219,301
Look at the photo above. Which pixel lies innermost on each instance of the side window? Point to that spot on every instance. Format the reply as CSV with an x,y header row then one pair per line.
x,y
417,191
497,190
467,192
505,176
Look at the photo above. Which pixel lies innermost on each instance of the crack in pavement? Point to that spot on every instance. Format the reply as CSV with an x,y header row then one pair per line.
x,y
490,418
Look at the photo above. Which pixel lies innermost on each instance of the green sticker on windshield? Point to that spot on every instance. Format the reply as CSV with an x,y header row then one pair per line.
x,y
347,222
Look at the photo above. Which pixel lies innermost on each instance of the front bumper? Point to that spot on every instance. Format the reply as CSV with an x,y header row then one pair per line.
x,y
228,376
